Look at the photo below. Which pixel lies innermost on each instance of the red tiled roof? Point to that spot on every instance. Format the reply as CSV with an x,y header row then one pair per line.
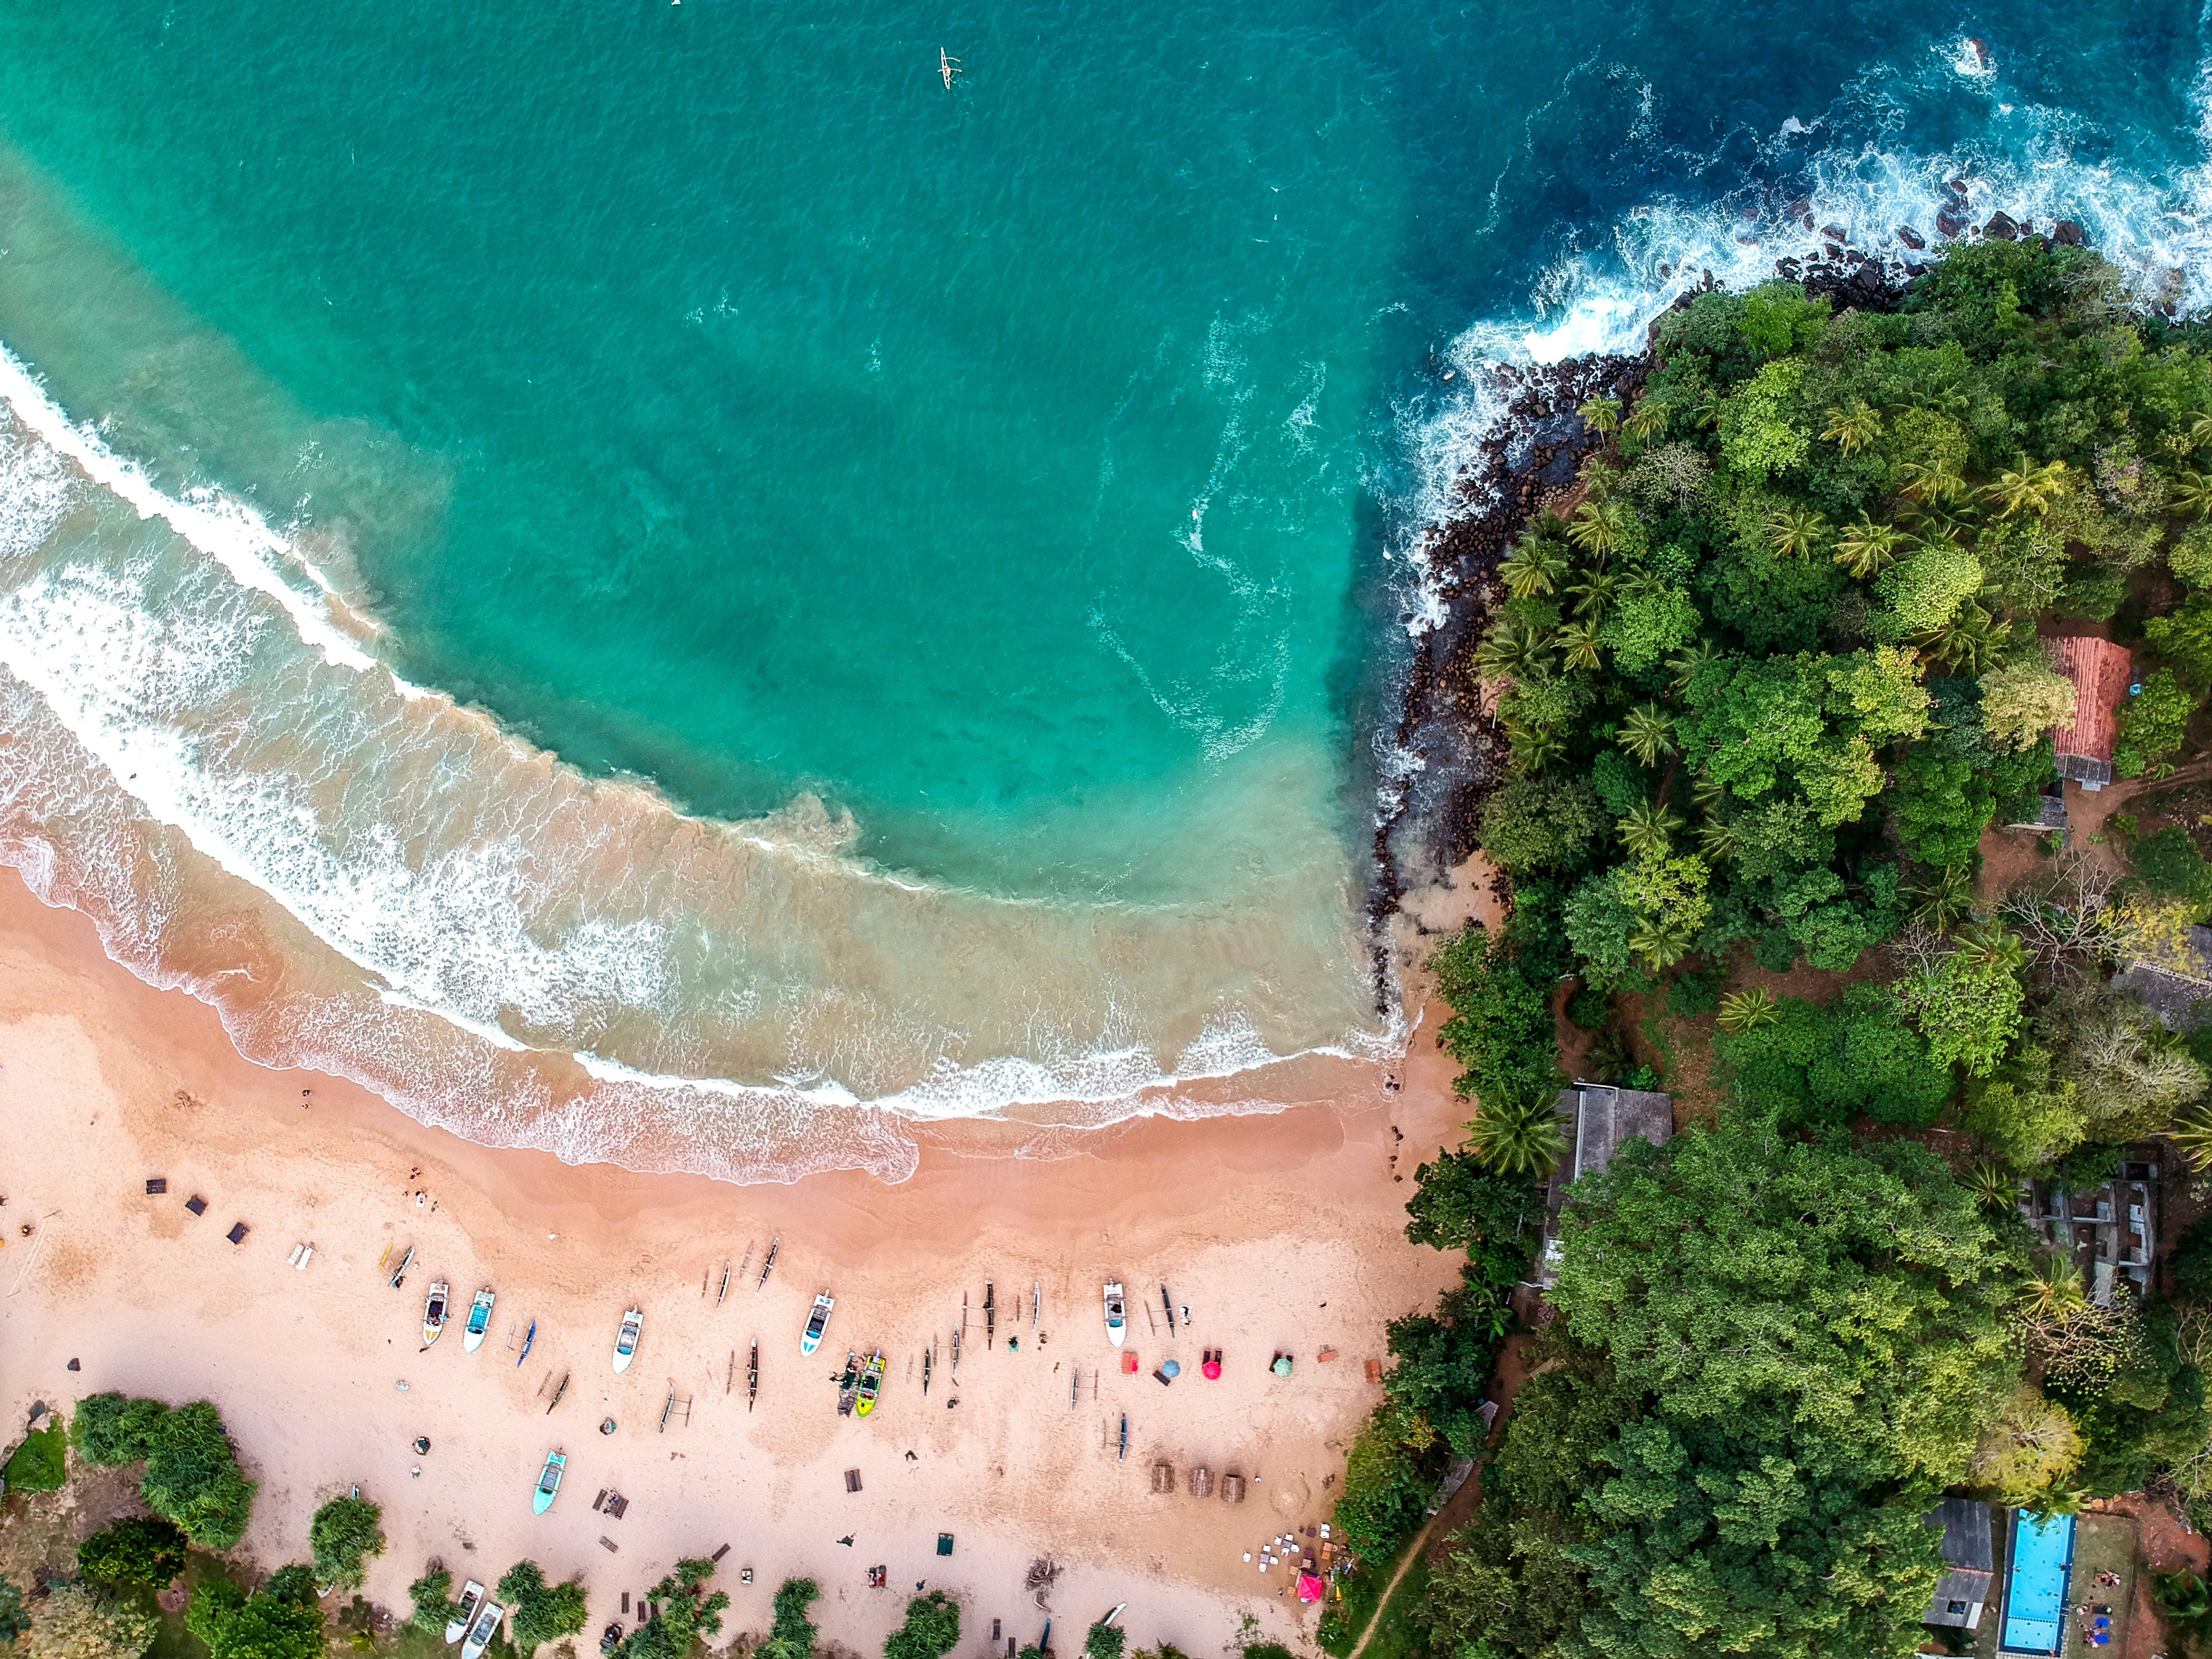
x,y
2099,671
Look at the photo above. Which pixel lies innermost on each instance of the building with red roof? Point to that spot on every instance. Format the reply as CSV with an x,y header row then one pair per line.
x,y
2101,672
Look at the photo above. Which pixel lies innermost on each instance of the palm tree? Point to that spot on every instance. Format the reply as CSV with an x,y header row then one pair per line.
x,y
1795,531
1717,840
2029,486
1517,1132
1686,663
1647,734
1580,641
1930,482
1534,568
1994,1186
1648,420
1534,747
1852,429
1661,943
1986,944
1866,547
1944,898
1521,650
2192,494
1964,641
2192,1134
1600,527
1648,831
1601,415
1594,592
1747,1011
2052,1289
1707,791
1711,404
2184,1601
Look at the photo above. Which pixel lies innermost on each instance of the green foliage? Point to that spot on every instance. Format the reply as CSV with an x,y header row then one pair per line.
x,y
688,1614
1100,1642
434,1608
1761,430
1778,319
1458,1205
112,1430
1692,994
539,1613
1588,1008
193,1477
2094,591
40,1463
1500,1028
15,1620
2192,1263
791,1636
1808,1066
282,1620
1531,824
2152,724
2169,864
343,1536
932,1630
2150,1413
142,1550
1968,1005
80,1621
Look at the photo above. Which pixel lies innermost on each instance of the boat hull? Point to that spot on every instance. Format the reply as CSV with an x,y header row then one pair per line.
x,y
548,1484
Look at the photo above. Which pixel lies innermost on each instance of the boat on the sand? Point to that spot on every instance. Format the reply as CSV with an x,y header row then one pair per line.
x,y
817,1323
1117,1312
633,1326
465,1612
434,1313
480,1633
871,1383
472,1333
548,1482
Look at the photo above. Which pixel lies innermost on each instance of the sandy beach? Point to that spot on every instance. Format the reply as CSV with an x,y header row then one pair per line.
x,y
1278,1231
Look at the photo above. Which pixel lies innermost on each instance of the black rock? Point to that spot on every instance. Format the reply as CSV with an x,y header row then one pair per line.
x,y
1802,204
1912,238
1809,222
1957,187
1835,232
75,1366
2067,234
1830,252
1788,270
2003,226
1948,224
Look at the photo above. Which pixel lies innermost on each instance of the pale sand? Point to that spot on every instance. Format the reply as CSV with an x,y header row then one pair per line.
x,y
1279,1232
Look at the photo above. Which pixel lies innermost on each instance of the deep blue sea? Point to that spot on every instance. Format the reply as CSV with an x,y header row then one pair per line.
x,y
658,580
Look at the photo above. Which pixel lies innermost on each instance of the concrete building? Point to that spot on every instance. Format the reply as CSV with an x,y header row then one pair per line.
x,y
2110,1232
1969,1563
1597,1118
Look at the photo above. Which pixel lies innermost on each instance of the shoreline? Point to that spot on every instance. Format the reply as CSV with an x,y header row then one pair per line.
x,y
1281,1232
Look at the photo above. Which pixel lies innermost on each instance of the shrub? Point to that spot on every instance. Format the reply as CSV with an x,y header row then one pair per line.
x,y
1692,994
344,1534
142,1551
14,1618
433,1597
1589,1007
2169,863
40,1463
281,1621
543,1613
1104,1642
78,1622
932,1629
112,1430
791,1636
1458,1205
2151,724
1532,823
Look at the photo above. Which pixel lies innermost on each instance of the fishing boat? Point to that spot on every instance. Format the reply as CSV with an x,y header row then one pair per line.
x,y
399,1277
434,1313
927,1354
472,1333
752,1375
848,1385
768,1266
548,1482
871,1383
528,1337
817,1323
481,1632
626,1342
472,1595
1117,1312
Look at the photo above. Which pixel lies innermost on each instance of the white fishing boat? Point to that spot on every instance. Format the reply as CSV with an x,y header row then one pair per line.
x,y
626,1343
472,1595
435,1310
472,1333
480,1633
817,1322
1117,1312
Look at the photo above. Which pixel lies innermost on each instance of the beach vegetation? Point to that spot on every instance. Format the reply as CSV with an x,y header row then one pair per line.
x,y
14,1616
143,1551
40,1463
432,1598
193,1475
687,1612
282,1620
77,1621
343,1535
1104,1642
539,1612
792,1635
932,1630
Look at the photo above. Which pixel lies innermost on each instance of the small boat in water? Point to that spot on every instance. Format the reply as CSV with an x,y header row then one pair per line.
x,y
871,1383
633,1326
481,1632
548,1482
472,1595
1117,1312
472,1333
817,1323
434,1313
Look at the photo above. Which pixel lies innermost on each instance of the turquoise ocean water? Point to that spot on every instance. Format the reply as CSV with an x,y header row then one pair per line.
x,y
956,540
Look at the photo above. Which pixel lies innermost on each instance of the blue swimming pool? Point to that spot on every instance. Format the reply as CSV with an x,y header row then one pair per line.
x,y
2035,1586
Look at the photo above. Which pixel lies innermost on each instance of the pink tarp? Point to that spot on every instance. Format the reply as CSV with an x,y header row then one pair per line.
x,y
1309,1587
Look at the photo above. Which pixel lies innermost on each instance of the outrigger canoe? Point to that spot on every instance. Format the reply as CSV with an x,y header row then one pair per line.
x,y
817,1323
483,1631
549,1483
872,1382
1117,1313
848,1385
626,1342
528,1338
472,1333
472,1595
434,1313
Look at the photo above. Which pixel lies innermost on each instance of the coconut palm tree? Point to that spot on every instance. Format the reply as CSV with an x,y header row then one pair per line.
x,y
1648,831
1707,791
2191,1135
1988,945
2192,494
1648,420
1994,1186
1534,568
1518,1133
1661,943
1867,547
1534,747
1943,898
1717,840
1579,640
2052,1289
1747,1011
1600,527
1594,592
1931,482
2027,486
1601,415
1520,650
1686,662
1647,734
1793,531
1852,429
